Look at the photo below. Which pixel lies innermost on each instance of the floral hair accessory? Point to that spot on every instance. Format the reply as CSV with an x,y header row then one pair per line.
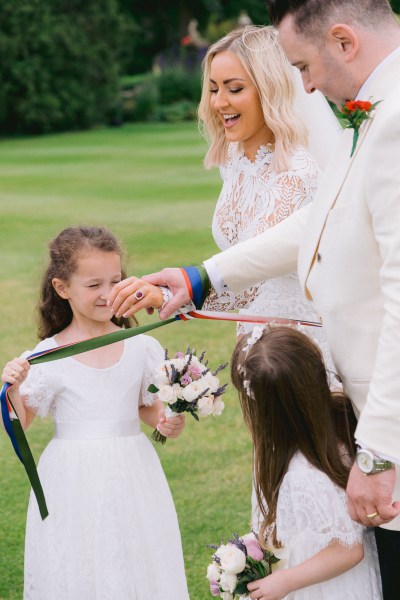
x,y
255,335
353,113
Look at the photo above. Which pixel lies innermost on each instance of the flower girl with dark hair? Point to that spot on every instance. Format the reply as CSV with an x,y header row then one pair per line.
x,y
112,531
303,450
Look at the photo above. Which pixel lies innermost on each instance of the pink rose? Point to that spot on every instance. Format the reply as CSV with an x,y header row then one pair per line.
x,y
195,372
214,587
186,379
179,355
254,549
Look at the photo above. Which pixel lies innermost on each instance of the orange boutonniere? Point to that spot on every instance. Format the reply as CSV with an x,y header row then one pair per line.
x,y
352,114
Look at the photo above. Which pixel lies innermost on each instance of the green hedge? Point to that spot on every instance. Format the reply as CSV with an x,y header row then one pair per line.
x,y
171,96
59,63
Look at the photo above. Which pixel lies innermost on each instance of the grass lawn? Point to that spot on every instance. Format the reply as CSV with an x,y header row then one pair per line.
x,y
147,184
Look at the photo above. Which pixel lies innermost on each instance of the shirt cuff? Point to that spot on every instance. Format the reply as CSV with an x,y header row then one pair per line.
x,y
216,280
379,454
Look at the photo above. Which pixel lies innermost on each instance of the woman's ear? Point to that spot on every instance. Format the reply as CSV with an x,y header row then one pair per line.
x,y
60,287
345,41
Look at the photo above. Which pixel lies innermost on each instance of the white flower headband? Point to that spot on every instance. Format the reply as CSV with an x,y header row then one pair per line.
x,y
256,334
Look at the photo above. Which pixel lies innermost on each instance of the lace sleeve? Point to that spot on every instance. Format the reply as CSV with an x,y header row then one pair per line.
x,y
312,511
40,388
154,357
228,300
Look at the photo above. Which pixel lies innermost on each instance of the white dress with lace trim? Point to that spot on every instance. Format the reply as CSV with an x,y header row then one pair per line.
x,y
112,532
311,514
254,198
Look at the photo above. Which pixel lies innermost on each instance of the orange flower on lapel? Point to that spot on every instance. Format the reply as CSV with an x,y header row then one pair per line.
x,y
353,113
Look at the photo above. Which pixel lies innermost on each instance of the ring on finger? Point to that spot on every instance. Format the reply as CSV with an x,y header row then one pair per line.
x,y
13,373
372,515
139,294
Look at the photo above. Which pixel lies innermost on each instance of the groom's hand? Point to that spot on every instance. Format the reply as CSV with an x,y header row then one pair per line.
x,y
175,281
371,494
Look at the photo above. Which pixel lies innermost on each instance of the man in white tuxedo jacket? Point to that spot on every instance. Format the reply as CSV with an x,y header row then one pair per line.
x,y
346,243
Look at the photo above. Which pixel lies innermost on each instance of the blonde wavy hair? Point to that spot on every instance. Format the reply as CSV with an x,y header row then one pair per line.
x,y
260,53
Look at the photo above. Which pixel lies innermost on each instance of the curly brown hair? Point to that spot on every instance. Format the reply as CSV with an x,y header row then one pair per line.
x,y
54,313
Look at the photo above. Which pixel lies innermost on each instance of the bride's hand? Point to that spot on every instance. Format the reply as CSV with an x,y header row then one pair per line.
x,y
132,294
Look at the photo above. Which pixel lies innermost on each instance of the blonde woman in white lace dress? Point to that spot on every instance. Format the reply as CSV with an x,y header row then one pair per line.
x,y
250,114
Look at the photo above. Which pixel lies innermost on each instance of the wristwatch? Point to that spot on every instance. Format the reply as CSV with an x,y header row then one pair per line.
x,y
369,464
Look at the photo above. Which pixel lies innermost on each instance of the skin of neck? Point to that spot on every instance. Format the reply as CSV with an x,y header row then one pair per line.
x,y
373,49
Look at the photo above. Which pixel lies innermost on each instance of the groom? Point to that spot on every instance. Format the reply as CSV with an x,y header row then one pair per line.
x,y
346,243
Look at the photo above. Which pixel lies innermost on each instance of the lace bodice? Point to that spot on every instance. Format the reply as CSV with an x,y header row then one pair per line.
x,y
311,514
254,198
72,391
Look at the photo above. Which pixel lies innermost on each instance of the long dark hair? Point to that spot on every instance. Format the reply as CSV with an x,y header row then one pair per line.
x,y
288,406
54,313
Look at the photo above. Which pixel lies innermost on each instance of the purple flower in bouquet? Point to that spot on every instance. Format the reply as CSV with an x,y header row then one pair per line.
x,y
236,564
186,384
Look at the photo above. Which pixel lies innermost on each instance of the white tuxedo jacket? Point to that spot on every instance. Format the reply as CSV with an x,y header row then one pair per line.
x,y
347,246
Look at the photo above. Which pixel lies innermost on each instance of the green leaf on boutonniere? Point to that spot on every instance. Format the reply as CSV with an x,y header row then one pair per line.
x,y
352,115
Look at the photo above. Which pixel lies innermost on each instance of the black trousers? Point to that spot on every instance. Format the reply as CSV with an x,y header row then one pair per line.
x,y
388,543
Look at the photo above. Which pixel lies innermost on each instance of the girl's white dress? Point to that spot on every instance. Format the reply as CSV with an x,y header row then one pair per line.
x,y
312,513
112,532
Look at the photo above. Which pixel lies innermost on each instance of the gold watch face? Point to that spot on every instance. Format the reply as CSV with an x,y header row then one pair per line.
x,y
365,461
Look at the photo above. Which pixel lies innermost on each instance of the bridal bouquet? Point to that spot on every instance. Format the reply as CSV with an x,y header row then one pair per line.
x,y
237,563
186,384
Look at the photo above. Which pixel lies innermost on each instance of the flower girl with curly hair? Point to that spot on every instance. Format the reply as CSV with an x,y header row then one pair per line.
x,y
112,531
303,450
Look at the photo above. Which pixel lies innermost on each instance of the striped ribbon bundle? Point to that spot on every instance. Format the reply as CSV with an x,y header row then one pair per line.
x,y
10,418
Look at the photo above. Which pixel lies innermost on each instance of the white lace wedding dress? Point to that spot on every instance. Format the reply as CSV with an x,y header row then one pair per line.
x,y
254,198
312,513
112,532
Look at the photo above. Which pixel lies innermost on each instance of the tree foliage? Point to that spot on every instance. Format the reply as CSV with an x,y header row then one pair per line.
x,y
60,63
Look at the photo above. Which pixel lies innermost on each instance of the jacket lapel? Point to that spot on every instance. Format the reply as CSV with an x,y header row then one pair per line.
x,y
337,170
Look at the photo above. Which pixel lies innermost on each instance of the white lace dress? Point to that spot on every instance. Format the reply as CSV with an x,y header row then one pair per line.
x,y
312,513
254,198
112,532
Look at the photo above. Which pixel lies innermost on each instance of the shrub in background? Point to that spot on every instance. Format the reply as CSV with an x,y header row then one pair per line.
x,y
60,63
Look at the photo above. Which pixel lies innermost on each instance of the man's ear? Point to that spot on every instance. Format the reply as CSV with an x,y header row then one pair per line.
x,y
344,40
60,287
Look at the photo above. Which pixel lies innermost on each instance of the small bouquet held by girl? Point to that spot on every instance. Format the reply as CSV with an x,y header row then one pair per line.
x,y
237,563
186,384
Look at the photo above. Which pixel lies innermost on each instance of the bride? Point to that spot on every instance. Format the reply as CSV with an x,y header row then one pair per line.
x,y
270,159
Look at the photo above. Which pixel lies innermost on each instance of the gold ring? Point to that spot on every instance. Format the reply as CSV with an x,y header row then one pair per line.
x,y
372,515
13,373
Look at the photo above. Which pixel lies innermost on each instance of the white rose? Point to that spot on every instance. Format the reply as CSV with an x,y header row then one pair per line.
x,y
195,361
161,374
179,364
211,381
226,596
232,559
192,391
218,406
228,582
166,394
206,406
213,572
178,390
